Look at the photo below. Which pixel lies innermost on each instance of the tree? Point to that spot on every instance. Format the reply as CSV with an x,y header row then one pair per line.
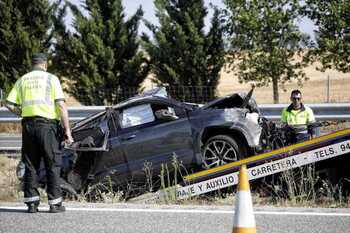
x,y
264,42
24,29
332,19
101,58
181,53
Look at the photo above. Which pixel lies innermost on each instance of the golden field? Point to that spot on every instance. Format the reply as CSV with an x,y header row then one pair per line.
x,y
314,89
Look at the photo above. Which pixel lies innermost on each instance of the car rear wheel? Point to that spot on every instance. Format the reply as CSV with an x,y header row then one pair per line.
x,y
222,149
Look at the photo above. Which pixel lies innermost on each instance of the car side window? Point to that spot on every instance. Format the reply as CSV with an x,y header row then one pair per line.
x,y
136,115
180,113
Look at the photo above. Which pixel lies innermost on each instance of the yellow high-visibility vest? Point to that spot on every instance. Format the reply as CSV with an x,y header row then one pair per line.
x,y
37,93
304,115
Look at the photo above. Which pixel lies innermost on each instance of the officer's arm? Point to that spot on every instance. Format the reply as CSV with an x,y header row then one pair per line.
x,y
311,116
14,108
65,120
13,100
284,118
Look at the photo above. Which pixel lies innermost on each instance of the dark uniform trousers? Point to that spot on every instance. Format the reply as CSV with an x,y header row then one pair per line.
x,y
40,142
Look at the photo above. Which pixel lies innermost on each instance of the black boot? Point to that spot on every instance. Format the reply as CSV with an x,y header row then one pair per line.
x,y
33,207
57,208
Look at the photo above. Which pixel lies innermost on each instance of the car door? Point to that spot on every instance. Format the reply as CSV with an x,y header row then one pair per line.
x,y
99,150
150,142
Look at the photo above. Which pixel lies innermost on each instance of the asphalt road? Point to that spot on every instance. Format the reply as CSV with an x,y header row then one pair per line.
x,y
163,219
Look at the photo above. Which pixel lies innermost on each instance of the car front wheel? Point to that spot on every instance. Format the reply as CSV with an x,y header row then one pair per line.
x,y
222,149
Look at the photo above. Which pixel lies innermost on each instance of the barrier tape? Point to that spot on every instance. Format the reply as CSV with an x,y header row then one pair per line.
x,y
266,169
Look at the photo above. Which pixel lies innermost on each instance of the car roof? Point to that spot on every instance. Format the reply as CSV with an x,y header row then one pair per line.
x,y
154,95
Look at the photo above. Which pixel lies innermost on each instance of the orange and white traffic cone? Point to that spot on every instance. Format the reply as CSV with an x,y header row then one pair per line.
x,y
244,220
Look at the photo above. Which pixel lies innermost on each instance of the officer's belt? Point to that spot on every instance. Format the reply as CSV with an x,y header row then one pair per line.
x,y
39,119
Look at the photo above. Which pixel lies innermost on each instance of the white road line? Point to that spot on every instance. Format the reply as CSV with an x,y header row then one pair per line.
x,y
183,211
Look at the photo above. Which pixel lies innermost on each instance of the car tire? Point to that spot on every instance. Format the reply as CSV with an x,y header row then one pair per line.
x,y
221,149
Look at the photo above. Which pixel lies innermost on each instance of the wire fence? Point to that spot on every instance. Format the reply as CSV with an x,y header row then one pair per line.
x,y
193,94
326,90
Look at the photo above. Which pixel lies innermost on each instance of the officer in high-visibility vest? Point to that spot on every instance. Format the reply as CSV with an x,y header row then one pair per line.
x,y
298,118
297,113
38,98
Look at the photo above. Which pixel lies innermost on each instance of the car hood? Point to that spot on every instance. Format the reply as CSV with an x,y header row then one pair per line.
x,y
236,100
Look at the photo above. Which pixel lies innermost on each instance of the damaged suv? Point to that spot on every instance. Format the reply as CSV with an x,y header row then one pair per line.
x,y
152,128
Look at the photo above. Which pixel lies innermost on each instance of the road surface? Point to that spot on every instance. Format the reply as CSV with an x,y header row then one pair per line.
x,y
133,218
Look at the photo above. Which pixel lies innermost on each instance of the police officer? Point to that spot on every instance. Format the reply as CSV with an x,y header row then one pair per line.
x,y
38,98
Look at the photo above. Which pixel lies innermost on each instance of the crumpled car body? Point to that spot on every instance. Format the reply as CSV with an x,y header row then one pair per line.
x,y
151,129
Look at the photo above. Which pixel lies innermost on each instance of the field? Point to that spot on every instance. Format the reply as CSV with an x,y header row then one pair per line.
x,y
328,86
315,89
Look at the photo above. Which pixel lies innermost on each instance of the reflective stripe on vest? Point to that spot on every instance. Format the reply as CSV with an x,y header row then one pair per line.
x,y
47,100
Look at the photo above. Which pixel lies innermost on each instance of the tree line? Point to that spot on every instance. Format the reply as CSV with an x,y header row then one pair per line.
x,y
259,40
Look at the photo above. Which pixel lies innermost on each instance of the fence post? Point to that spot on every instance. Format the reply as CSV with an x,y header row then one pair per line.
x,y
328,88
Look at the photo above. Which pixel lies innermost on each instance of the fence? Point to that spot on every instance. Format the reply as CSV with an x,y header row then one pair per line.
x,y
326,90
193,94
316,91
323,89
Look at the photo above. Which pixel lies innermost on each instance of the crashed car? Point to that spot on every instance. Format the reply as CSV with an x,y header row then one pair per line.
x,y
152,128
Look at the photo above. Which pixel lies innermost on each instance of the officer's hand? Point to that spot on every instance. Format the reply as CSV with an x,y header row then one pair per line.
x,y
69,139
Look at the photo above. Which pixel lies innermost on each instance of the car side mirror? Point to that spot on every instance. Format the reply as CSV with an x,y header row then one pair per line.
x,y
165,114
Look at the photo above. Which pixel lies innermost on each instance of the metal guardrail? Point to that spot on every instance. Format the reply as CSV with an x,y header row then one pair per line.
x,y
326,111
75,113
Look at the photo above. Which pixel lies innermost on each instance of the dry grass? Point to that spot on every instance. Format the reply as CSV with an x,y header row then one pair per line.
x,y
314,90
10,128
9,184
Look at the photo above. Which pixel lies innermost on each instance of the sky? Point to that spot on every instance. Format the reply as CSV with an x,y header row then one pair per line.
x,y
148,7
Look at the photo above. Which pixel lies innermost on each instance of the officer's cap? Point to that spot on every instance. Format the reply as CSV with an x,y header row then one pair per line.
x,y
39,58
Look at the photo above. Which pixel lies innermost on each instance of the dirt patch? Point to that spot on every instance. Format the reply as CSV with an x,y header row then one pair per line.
x,y
332,126
9,185
10,128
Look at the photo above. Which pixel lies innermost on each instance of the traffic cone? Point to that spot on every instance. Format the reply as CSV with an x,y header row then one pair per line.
x,y
244,220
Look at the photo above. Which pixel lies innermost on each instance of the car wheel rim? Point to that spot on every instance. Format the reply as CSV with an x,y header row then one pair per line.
x,y
218,152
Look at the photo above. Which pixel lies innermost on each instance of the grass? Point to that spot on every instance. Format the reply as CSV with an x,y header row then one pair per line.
x,y
314,90
301,187
10,128
9,184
